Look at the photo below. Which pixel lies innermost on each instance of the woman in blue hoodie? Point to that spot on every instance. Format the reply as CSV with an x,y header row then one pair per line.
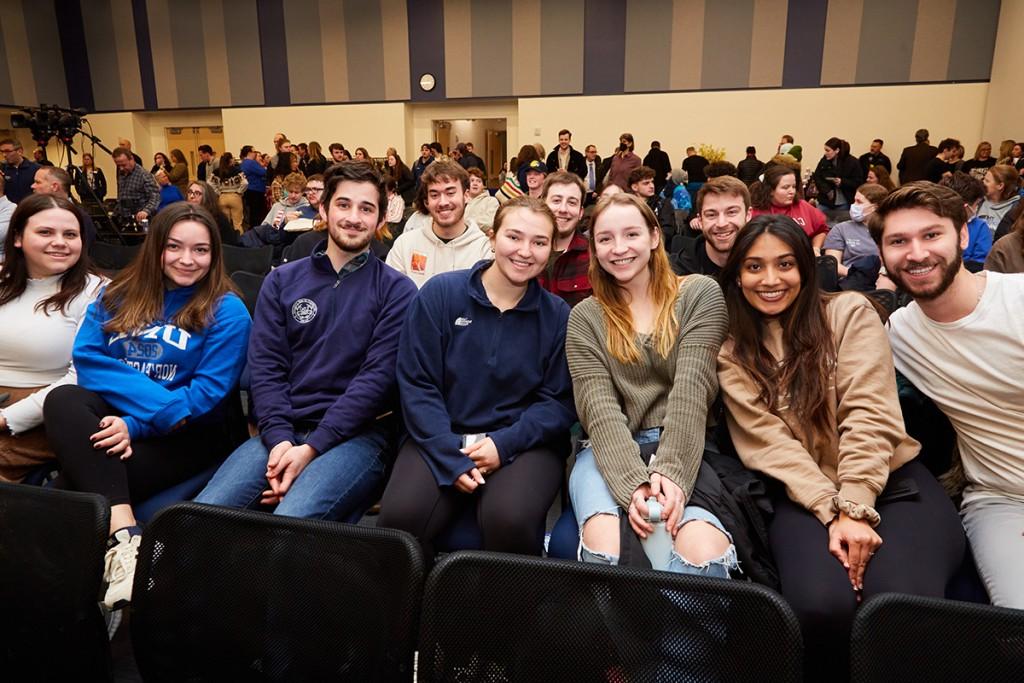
x,y
157,356
485,393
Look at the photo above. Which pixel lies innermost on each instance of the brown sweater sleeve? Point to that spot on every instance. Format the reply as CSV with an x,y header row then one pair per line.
x,y
703,323
597,404
765,443
868,416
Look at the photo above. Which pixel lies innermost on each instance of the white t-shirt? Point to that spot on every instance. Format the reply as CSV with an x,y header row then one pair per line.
x,y
973,369
35,348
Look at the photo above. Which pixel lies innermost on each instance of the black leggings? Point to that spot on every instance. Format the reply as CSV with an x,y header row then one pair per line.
x,y
73,414
510,507
922,547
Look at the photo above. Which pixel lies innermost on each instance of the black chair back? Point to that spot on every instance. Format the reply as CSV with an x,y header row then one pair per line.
x,y
51,567
303,245
828,273
908,638
488,616
249,284
232,595
886,298
250,259
112,257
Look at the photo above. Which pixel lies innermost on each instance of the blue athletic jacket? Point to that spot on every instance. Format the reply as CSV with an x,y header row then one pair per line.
x,y
464,367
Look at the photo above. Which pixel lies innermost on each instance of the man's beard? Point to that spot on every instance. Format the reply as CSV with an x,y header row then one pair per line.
x,y
949,271
351,246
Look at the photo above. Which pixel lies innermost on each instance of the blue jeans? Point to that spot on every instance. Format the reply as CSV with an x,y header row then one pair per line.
x,y
339,484
590,496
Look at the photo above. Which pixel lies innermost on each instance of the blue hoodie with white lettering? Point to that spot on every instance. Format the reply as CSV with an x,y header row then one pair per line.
x,y
164,374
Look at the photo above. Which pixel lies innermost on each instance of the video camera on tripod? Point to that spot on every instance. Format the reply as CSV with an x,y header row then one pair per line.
x,y
49,120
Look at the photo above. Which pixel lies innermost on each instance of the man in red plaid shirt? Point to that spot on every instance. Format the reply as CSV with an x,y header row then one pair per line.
x,y
566,274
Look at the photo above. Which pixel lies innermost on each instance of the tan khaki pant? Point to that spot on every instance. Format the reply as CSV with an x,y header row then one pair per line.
x,y
231,204
20,454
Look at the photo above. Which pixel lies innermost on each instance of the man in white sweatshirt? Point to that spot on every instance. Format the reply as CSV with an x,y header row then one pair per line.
x,y
961,342
451,243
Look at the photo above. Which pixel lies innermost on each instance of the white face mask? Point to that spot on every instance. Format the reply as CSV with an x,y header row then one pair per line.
x,y
857,212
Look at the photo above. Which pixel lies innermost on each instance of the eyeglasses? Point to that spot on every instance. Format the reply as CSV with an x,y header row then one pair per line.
x,y
314,189
195,193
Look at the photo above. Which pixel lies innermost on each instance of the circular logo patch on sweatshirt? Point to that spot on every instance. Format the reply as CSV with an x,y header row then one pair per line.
x,y
303,310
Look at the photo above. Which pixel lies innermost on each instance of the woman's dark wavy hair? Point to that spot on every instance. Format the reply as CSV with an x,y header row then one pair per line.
x,y
761,190
801,381
14,274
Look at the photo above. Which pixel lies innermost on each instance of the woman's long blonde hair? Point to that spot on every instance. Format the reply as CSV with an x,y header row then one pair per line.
x,y
614,300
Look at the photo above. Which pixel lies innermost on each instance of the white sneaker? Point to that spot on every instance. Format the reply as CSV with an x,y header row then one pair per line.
x,y
119,569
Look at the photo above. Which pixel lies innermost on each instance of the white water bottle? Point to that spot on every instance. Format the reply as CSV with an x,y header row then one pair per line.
x,y
658,544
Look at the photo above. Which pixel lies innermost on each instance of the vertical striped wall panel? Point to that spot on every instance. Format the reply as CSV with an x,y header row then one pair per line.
x,y
170,54
31,64
494,48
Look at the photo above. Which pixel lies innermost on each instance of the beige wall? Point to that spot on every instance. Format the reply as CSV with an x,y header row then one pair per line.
x,y
373,126
729,119
1005,100
735,119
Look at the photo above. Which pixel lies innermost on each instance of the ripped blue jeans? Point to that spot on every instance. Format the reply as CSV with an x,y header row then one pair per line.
x,y
590,496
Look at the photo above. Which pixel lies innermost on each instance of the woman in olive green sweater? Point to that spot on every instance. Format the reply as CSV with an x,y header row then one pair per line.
x,y
642,355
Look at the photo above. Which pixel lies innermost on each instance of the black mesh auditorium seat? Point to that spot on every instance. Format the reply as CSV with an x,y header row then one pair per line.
x,y
231,595
913,639
51,565
504,618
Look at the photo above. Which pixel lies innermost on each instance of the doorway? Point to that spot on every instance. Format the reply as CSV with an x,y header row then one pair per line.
x,y
188,140
488,137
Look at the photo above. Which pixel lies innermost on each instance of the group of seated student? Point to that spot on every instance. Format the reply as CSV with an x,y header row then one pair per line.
x,y
448,379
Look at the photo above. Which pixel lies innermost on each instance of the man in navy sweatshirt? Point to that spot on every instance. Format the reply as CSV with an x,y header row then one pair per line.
x,y
322,358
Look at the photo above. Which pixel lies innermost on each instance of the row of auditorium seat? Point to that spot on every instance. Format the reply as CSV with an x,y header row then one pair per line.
x,y
226,595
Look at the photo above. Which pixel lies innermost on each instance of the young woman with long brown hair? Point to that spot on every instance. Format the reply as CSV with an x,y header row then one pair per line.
x,y
45,287
642,354
157,356
810,393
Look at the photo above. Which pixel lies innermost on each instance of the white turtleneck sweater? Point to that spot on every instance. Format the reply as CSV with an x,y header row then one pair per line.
x,y
35,348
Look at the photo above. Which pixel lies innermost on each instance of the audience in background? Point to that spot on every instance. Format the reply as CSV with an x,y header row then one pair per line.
x,y
230,184
779,194
1002,192
979,241
160,161
480,205
851,244
179,171
203,194
91,181
19,173
838,175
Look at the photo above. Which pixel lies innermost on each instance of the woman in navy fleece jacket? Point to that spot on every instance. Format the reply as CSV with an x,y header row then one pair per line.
x,y
156,356
482,356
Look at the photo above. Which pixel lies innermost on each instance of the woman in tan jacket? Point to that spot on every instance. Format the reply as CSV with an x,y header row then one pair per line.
x,y
810,389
